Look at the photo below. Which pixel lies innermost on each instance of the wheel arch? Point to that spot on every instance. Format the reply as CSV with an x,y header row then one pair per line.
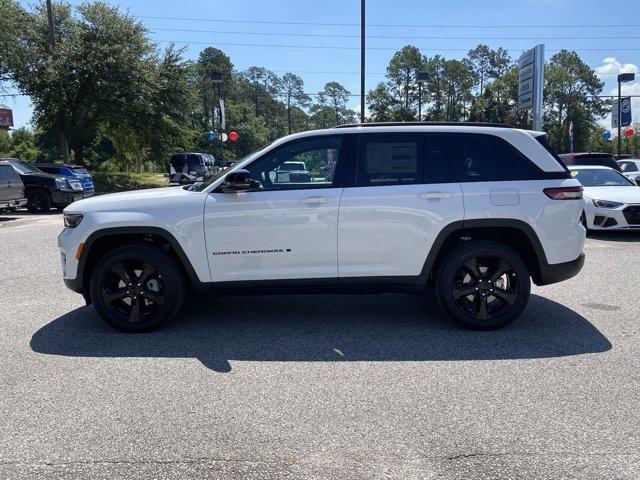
x,y
516,234
102,241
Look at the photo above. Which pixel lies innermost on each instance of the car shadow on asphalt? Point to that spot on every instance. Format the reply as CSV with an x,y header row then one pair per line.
x,y
615,236
300,328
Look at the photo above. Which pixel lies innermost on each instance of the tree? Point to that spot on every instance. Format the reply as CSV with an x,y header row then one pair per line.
x,y
488,64
263,86
402,77
457,82
570,93
12,20
292,91
336,98
211,61
99,68
382,106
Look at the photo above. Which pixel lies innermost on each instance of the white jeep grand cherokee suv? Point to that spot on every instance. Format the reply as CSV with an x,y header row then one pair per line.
x,y
474,211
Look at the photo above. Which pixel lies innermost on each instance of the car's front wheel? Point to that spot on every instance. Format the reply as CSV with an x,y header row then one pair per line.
x,y
483,285
137,288
38,201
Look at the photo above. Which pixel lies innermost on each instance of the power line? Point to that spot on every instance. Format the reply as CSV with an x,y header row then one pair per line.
x,y
339,47
388,37
326,24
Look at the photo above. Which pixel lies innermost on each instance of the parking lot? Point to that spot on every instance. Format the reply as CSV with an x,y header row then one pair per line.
x,y
378,386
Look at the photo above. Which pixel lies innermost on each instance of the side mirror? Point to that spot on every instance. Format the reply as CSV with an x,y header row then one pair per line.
x,y
240,180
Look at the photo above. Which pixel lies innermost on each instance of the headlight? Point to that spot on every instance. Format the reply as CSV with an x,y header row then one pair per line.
x,y
72,220
606,204
62,184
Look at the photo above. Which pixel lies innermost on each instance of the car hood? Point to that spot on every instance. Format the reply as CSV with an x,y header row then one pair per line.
x,y
39,176
156,197
630,194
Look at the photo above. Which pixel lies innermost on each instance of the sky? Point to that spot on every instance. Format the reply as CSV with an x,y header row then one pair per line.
x,y
323,44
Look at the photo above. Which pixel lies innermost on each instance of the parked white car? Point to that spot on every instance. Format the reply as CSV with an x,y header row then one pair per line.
x,y
611,201
473,211
631,168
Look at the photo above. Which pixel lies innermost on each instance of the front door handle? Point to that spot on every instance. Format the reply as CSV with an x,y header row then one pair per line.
x,y
434,195
315,200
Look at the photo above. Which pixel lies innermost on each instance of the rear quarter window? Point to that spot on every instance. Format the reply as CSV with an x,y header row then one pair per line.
x,y
488,158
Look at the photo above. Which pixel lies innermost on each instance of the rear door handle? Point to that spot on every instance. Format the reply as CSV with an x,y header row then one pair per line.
x,y
315,200
434,195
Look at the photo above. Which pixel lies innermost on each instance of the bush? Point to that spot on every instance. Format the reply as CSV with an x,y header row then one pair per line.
x,y
109,182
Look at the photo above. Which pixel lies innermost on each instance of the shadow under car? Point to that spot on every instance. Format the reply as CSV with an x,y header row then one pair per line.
x,y
386,327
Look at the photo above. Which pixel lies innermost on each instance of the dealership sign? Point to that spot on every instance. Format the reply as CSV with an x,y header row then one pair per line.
x,y
6,118
625,113
530,83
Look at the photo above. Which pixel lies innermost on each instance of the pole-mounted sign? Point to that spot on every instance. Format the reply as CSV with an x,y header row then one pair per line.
x,y
531,82
624,115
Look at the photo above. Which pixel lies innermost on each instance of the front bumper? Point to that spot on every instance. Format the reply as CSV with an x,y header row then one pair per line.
x,y
558,272
88,193
626,217
60,197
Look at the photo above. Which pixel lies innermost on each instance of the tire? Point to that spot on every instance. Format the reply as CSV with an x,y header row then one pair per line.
x,y
38,201
491,301
137,288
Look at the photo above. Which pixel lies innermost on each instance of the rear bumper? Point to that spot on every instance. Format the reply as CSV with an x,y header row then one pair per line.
x,y
554,273
15,203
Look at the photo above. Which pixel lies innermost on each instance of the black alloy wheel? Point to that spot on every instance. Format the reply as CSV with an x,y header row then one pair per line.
x,y
133,290
485,287
38,202
482,284
137,288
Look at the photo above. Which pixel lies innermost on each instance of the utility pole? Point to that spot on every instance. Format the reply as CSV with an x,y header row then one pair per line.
x,y
64,143
362,62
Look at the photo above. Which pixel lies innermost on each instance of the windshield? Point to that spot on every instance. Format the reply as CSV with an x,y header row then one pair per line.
x,y
25,168
221,173
291,166
600,177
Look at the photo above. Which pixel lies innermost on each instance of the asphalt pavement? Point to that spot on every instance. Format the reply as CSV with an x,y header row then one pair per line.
x,y
311,387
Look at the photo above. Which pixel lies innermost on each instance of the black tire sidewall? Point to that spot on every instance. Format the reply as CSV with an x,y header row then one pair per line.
x,y
46,201
163,263
450,266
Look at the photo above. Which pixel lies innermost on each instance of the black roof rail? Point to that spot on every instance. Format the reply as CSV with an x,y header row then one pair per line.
x,y
409,124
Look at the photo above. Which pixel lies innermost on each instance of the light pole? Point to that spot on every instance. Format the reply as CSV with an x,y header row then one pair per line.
x,y
362,63
622,78
421,77
218,78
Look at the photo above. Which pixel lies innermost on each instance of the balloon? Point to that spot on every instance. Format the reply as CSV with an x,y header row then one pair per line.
x,y
233,136
606,135
629,132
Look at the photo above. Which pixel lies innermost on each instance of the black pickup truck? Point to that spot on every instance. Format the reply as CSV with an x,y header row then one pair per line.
x,y
44,190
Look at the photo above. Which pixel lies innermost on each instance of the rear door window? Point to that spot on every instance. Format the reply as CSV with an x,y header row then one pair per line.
x,y
390,159
488,158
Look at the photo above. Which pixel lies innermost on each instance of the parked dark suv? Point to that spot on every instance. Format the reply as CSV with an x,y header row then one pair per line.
x,y
11,188
44,190
590,159
185,168
74,171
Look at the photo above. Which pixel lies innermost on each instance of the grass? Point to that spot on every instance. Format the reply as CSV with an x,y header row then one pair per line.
x,y
110,182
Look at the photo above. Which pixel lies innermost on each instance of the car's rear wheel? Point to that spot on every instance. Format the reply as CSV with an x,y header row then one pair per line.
x,y
137,288
38,201
483,285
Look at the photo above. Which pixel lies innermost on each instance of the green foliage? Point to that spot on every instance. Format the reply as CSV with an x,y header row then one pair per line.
x,y
121,104
109,182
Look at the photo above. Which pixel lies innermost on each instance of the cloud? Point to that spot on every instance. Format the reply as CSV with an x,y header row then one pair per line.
x,y
611,66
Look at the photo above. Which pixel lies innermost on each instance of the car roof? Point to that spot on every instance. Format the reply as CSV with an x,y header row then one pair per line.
x,y
585,154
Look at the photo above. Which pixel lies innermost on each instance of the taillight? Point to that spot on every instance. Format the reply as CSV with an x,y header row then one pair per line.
x,y
564,193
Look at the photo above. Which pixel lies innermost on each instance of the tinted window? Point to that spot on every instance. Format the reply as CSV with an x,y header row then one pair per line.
x,y
628,167
389,160
48,169
7,173
436,165
604,160
320,155
487,158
